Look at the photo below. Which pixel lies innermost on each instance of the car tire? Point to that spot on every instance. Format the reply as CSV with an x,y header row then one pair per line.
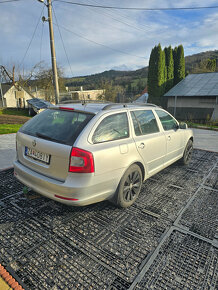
x,y
129,187
185,160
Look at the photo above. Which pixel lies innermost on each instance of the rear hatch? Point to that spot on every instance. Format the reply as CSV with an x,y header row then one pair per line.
x,y
44,143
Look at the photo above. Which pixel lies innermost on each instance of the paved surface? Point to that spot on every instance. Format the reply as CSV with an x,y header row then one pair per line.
x,y
167,240
203,139
7,150
206,139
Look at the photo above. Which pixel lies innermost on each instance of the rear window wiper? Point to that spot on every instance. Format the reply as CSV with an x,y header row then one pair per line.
x,y
48,138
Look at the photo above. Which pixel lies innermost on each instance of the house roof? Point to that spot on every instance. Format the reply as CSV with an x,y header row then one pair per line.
x,y
6,87
205,84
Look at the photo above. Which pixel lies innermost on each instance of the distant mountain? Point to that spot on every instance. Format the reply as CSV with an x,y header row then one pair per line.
x,y
124,78
112,75
118,77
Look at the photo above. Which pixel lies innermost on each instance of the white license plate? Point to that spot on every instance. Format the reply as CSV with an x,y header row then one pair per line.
x,y
43,157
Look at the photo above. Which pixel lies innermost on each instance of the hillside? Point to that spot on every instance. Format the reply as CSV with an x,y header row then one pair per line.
x,y
121,78
124,78
193,61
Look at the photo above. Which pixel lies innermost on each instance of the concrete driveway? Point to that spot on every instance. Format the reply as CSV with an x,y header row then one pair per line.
x,y
203,139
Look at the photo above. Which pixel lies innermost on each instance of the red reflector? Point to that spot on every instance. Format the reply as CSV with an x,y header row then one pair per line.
x,y
66,108
81,161
66,198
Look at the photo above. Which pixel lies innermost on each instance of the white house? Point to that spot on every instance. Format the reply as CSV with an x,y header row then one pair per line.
x,y
14,96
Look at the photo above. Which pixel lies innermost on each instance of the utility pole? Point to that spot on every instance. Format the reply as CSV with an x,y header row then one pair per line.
x,y
53,56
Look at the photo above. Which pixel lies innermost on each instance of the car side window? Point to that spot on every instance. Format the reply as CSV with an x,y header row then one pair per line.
x,y
113,127
168,122
144,122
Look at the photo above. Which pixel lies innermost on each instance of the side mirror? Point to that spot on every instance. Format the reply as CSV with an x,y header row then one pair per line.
x,y
183,126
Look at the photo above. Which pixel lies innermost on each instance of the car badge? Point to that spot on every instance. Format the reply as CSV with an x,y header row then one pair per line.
x,y
34,143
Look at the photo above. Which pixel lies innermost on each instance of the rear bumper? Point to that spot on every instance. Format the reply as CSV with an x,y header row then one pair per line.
x,y
84,188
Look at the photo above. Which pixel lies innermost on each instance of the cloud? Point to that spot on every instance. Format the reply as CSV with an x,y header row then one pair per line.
x,y
130,34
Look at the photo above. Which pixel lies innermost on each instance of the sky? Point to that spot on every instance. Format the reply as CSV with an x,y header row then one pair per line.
x,y
91,40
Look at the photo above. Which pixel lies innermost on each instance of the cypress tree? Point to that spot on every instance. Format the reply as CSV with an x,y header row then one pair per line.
x,y
152,74
169,67
179,64
156,75
164,72
175,65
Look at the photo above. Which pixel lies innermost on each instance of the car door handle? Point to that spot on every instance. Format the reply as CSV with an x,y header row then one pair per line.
x,y
168,138
141,146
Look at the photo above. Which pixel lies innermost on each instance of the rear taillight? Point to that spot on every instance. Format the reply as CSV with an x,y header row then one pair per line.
x,y
66,108
81,161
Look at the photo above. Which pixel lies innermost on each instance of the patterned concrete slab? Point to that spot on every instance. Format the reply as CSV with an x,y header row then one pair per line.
x,y
167,239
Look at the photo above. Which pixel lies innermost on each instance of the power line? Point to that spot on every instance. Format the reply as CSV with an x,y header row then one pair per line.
x,y
118,20
138,8
7,1
31,39
100,44
124,16
62,41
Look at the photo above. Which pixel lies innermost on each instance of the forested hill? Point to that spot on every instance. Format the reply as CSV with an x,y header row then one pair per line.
x,y
193,63
96,81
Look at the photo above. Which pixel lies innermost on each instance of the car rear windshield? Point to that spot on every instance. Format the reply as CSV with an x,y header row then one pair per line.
x,y
57,125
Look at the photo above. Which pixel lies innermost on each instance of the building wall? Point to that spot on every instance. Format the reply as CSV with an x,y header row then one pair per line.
x,y
12,101
92,94
192,102
193,108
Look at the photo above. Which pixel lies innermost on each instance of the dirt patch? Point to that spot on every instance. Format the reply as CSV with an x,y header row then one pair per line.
x,y
10,119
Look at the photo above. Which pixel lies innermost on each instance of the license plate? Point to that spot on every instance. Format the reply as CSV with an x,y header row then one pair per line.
x,y
40,156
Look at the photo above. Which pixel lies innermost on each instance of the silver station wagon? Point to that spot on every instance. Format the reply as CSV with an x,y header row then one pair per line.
x,y
80,154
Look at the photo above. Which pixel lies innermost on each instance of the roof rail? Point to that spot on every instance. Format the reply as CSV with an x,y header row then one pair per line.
x,y
83,102
145,104
109,106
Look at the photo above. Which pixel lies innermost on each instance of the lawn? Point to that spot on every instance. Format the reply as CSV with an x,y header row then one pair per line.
x,y
9,128
14,111
211,126
11,119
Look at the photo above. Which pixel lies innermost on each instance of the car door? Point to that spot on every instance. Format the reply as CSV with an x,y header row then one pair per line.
x,y
112,146
174,136
150,141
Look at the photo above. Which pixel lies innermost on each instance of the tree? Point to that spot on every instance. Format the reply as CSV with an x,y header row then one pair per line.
x,y
205,65
44,81
169,67
164,68
211,65
156,75
112,92
179,64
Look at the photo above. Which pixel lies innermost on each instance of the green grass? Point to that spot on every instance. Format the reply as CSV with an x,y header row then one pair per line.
x,y
14,111
9,128
197,125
